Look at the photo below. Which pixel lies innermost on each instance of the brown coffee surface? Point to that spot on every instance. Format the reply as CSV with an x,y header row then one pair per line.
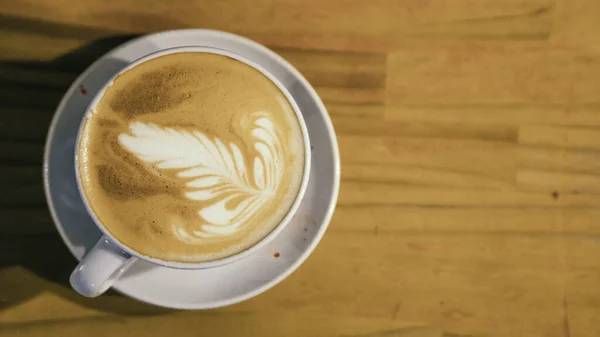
x,y
191,157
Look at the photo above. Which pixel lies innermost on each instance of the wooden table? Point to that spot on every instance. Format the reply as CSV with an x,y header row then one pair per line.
x,y
470,141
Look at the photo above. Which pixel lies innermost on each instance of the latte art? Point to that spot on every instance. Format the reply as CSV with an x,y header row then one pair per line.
x,y
214,172
191,157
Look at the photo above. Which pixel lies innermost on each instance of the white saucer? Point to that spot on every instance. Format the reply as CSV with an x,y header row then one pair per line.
x,y
208,288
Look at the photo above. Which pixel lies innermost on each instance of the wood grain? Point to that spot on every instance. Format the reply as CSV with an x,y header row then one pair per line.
x,y
349,24
470,167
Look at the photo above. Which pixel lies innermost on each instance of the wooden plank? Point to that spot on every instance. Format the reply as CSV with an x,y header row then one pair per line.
x,y
458,283
26,220
13,152
489,73
576,23
23,183
583,115
296,23
491,159
352,95
24,98
387,220
369,120
341,77
560,181
560,137
366,194
581,301
460,299
219,324
26,125
46,47
480,273
355,114
35,75
407,175
559,158
336,69
553,159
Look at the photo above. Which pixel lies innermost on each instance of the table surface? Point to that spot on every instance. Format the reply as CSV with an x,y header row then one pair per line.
x,y
469,133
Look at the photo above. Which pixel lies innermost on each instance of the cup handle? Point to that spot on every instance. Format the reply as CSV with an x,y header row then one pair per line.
x,y
100,268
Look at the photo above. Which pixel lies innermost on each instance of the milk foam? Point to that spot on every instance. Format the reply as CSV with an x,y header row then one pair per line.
x,y
217,171
191,157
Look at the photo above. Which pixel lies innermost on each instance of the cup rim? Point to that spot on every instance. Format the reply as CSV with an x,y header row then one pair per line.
x,y
232,258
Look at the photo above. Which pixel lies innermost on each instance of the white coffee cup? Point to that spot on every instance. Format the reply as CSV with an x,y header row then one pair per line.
x,y
109,258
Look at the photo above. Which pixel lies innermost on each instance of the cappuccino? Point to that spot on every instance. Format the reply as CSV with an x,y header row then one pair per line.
x,y
191,157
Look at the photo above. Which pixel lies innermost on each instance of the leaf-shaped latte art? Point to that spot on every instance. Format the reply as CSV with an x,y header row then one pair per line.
x,y
216,173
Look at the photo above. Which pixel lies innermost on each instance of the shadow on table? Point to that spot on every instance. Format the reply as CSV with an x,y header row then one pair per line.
x,y
33,258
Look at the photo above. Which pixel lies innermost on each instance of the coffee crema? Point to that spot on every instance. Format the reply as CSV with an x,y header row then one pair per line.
x,y
191,157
